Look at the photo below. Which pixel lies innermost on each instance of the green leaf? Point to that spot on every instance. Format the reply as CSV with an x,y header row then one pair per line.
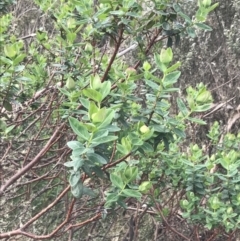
x,y
152,84
116,181
160,65
191,32
78,128
75,145
95,158
122,204
202,108
93,94
187,163
92,109
132,193
95,82
85,102
8,129
87,168
5,60
177,40
10,51
191,102
117,12
71,23
166,26
204,97
3,124
209,226
203,26
144,137
185,17
70,83
196,120
105,139
7,105
41,36
214,202
89,192
74,178
19,68
64,91
130,173
173,67
23,79
166,55
160,128
126,144
147,148
110,115
146,66
182,107
99,116
71,37
122,149
100,133
211,8
75,164
98,171
112,128
177,7
19,59
111,198
79,151
77,190
105,89
171,78
145,186
179,132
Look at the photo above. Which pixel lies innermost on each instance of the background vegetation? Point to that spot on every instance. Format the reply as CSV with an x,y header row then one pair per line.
x,y
119,120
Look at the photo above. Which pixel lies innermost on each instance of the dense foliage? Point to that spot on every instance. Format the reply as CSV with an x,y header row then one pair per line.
x,y
91,127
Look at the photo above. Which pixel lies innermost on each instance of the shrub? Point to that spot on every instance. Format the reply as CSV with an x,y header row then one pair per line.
x,y
82,86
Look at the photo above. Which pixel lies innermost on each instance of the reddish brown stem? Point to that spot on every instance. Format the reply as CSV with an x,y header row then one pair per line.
x,y
114,54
